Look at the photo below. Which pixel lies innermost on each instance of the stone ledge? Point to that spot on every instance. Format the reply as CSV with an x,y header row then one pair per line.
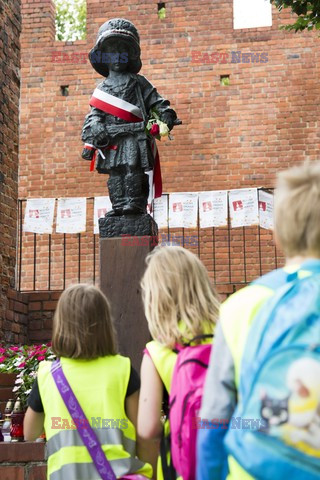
x,y
22,452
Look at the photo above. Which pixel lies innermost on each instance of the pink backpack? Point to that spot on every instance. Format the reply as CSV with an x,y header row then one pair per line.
x,y
184,404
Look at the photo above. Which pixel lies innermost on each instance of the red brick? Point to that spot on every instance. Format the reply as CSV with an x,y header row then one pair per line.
x,y
55,295
22,452
11,472
40,335
39,296
7,379
37,472
34,306
51,305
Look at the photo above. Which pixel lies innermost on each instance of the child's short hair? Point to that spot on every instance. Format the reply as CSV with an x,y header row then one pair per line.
x,y
297,210
176,286
82,324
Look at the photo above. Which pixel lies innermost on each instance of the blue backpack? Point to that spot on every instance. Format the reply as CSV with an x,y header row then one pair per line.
x,y
275,430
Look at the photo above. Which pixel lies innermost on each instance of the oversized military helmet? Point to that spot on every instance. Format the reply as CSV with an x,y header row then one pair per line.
x,y
109,32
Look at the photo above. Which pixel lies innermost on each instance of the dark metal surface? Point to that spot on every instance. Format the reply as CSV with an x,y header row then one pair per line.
x,y
124,149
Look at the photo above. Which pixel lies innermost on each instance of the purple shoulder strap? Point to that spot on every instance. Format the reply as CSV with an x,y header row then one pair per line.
x,y
85,431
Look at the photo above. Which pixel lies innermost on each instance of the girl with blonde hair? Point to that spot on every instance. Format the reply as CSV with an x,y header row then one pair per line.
x,y
180,304
102,382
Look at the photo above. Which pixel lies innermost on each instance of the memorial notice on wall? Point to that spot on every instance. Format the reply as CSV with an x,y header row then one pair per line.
x,y
71,215
183,210
102,205
243,207
38,216
160,211
265,209
213,209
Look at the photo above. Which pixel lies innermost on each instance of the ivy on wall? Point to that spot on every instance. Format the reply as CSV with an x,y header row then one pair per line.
x,y
71,18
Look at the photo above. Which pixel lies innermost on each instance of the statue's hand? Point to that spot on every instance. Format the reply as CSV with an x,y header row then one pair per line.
x,y
102,139
167,118
88,153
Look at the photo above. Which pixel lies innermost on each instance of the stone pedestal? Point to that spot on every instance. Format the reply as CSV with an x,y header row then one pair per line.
x,y
122,264
116,226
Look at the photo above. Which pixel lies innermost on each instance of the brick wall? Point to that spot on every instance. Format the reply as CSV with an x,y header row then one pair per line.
x,y
41,307
10,26
40,313
22,461
16,318
6,385
232,136
35,322
28,318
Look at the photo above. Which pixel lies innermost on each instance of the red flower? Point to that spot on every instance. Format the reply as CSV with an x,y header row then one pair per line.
x,y
2,359
23,364
2,350
42,357
155,130
15,349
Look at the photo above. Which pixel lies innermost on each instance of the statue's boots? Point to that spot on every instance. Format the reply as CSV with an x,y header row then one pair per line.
x,y
116,186
137,192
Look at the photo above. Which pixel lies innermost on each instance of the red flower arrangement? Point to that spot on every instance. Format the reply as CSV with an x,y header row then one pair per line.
x,y
24,361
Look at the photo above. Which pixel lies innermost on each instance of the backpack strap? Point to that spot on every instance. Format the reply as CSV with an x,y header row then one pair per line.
x,y
199,337
168,469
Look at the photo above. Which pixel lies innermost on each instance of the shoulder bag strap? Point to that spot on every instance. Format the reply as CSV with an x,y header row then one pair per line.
x,y
85,431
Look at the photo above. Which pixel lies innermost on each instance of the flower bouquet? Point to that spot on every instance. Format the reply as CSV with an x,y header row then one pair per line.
x,y
24,361
156,128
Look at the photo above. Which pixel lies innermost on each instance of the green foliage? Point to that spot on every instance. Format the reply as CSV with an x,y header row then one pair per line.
x,y
162,13
225,81
308,13
71,20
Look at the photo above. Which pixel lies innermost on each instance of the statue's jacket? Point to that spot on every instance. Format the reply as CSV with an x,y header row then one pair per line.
x,y
123,143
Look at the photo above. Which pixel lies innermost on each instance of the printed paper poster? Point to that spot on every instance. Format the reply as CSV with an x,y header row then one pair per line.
x,y
102,205
265,209
71,215
160,211
213,209
38,216
183,210
243,207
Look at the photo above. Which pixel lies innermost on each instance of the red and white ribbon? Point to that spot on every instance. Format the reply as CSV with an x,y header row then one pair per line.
x,y
115,106
88,146
157,179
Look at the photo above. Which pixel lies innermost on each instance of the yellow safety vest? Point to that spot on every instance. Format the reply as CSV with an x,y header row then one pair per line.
x,y
100,386
237,314
164,360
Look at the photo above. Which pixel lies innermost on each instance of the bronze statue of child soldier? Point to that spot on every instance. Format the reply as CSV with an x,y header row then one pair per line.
x,y
114,131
